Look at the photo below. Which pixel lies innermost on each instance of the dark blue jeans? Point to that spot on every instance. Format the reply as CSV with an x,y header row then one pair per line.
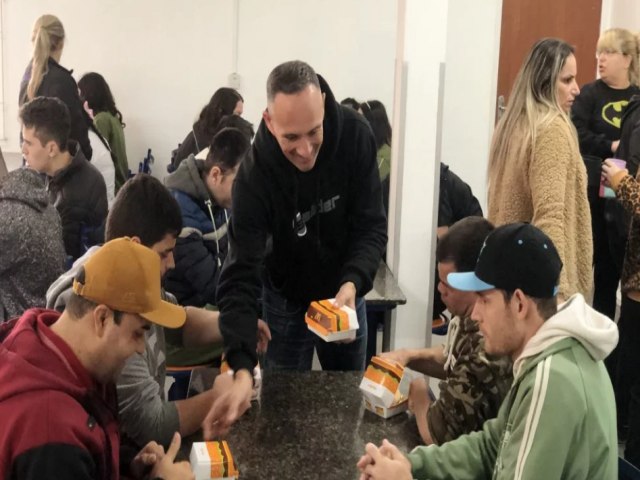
x,y
624,363
292,343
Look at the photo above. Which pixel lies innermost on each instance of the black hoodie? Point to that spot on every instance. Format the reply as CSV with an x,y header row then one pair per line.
x,y
629,148
343,243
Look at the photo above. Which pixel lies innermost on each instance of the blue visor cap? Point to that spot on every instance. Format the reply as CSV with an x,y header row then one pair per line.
x,y
515,256
468,282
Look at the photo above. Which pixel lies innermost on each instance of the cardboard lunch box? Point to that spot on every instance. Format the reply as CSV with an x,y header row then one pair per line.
x,y
213,461
384,412
385,383
331,323
257,377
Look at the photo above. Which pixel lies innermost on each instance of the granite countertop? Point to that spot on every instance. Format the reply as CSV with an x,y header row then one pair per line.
x,y
311,425
386,291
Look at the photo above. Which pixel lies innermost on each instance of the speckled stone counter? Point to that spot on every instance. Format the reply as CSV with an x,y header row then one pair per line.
x,y
311,425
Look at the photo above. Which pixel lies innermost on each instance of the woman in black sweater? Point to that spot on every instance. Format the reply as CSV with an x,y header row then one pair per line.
x,y
597,114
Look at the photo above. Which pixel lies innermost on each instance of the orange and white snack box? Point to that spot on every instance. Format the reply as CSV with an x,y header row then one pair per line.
x,y
385,382
331,323
398,406
213,461
257,377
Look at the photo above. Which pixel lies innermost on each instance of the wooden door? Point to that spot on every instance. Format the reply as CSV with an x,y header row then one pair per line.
x,y
526,21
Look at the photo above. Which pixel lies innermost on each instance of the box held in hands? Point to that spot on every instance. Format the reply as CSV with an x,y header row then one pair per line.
x,y
385,383
331,323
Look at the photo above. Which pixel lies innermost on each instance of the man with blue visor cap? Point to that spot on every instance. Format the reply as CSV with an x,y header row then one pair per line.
x,y
558,420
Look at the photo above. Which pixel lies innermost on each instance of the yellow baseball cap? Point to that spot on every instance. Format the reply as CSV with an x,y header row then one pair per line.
x,y
126,276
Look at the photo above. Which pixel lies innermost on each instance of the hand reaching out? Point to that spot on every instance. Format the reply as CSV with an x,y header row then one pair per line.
x,y
232,395
400,356
264,336
166,469
146,459
346,296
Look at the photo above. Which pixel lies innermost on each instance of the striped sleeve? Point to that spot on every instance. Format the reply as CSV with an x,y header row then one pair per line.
x,y
546,420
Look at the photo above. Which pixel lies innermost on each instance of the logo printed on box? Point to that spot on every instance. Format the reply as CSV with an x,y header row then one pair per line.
x,y
331,323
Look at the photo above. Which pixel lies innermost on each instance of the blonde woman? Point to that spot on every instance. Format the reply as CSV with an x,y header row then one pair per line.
x,y
536,173
45,77
597,114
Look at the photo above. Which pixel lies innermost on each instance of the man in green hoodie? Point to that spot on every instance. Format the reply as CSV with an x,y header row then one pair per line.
x,y
558,420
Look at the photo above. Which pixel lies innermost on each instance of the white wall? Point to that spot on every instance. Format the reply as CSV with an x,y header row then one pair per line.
x,y
471,83
350,43
155,58
163,59
621,14
411,249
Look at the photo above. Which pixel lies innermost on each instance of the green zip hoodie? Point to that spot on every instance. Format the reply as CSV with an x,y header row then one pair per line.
x,y
558,421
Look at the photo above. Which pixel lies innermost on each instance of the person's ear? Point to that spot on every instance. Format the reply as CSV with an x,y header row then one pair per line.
x,y
101,316
520,302
215,174
266,116
52,148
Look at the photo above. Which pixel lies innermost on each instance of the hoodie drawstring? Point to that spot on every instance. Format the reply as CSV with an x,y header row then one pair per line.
x,y
452,337
215,230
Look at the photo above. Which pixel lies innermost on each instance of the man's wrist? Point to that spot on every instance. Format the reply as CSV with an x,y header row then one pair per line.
x,y
244,375
353,279
350,286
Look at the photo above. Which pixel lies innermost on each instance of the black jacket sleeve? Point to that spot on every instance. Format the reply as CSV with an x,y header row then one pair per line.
x,y
67,90
186,148
71,228
98,202
367,220
55,461
591,143
194,279
86,208
463,202
240,283
629,149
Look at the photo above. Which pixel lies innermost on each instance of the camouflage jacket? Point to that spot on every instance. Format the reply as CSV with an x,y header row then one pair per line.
x,y
474,387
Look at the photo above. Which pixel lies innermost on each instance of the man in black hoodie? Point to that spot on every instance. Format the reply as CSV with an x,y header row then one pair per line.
x,y
307,224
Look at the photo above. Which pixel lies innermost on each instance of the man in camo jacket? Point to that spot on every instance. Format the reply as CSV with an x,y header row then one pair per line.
x,y
473,384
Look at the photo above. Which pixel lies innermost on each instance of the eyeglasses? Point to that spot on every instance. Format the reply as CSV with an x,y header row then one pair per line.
x,y
607,52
